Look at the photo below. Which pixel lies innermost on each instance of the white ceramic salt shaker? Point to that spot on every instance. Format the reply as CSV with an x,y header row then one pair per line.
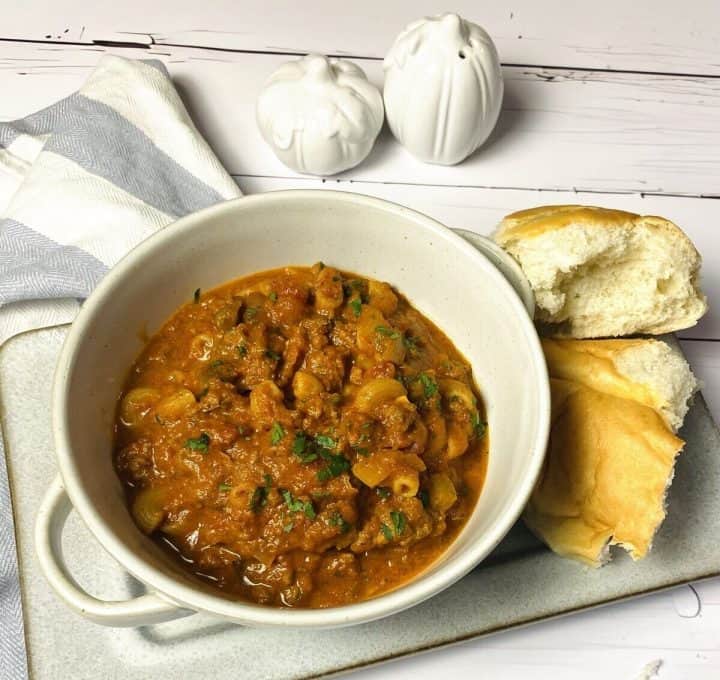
x,y
320,116
443,88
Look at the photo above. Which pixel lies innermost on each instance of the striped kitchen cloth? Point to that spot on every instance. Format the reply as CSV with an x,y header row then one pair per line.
x,y
81,183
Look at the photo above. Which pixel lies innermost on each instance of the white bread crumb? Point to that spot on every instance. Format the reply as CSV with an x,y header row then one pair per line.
x,y
606,273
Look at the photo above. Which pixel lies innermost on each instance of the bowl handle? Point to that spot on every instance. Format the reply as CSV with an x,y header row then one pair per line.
x,y
144,610
508,267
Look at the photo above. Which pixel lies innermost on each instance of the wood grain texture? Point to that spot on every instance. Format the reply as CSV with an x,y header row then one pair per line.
x,y
646,35
560,130
612,642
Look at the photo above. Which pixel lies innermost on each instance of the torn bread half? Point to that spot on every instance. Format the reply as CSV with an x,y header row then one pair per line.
x,y
605,273
616,405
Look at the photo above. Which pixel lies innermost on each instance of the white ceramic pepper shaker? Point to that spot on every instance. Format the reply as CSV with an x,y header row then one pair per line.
x,y
443,88
320,116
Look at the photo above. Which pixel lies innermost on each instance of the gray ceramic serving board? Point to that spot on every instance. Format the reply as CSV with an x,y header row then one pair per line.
x,y
521,583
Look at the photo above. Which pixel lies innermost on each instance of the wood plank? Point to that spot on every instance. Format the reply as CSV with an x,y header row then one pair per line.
x,y
559,130
646,35
480,210
609,642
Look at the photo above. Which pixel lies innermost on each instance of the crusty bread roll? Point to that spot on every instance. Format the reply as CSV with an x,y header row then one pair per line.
x,y
605,273
612,448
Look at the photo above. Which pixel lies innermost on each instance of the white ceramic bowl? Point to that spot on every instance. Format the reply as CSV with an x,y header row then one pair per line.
x,y
443,276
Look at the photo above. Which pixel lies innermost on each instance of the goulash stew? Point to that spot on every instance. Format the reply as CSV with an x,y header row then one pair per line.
x,y
301,437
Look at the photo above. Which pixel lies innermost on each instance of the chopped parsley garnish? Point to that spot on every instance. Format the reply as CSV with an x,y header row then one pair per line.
x,y
268,480
430,387
336,462
272,354
303,449
337,520
388,332
200,443
350,286
383,492
356,306
325,441
287,528
273,296
296,505
242,349
479,426
361,450
411,344
217,363
250,313
424,497
299,443
309,449
385,529
224,488
196,296
336,465
399,522
259,498
277,432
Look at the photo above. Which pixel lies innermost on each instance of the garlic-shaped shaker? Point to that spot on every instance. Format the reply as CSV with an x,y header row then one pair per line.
x,y
320,116
443,88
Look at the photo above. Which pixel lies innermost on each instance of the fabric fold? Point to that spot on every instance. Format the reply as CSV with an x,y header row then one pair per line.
x,y
81,183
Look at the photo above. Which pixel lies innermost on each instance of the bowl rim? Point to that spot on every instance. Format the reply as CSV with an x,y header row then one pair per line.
x,y
172,589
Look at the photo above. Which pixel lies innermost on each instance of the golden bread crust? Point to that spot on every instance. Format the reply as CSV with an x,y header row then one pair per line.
x,y
533,222
610,457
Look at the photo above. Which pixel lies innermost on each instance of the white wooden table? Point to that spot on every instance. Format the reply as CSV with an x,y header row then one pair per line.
x,y
614,103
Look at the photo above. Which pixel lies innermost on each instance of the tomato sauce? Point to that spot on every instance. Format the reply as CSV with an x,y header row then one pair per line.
x,y
301,437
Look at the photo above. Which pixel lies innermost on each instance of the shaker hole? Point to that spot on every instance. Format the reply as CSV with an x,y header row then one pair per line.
x,y
461,54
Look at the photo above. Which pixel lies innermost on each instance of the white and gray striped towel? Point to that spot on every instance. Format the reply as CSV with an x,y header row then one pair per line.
x,y
81,183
